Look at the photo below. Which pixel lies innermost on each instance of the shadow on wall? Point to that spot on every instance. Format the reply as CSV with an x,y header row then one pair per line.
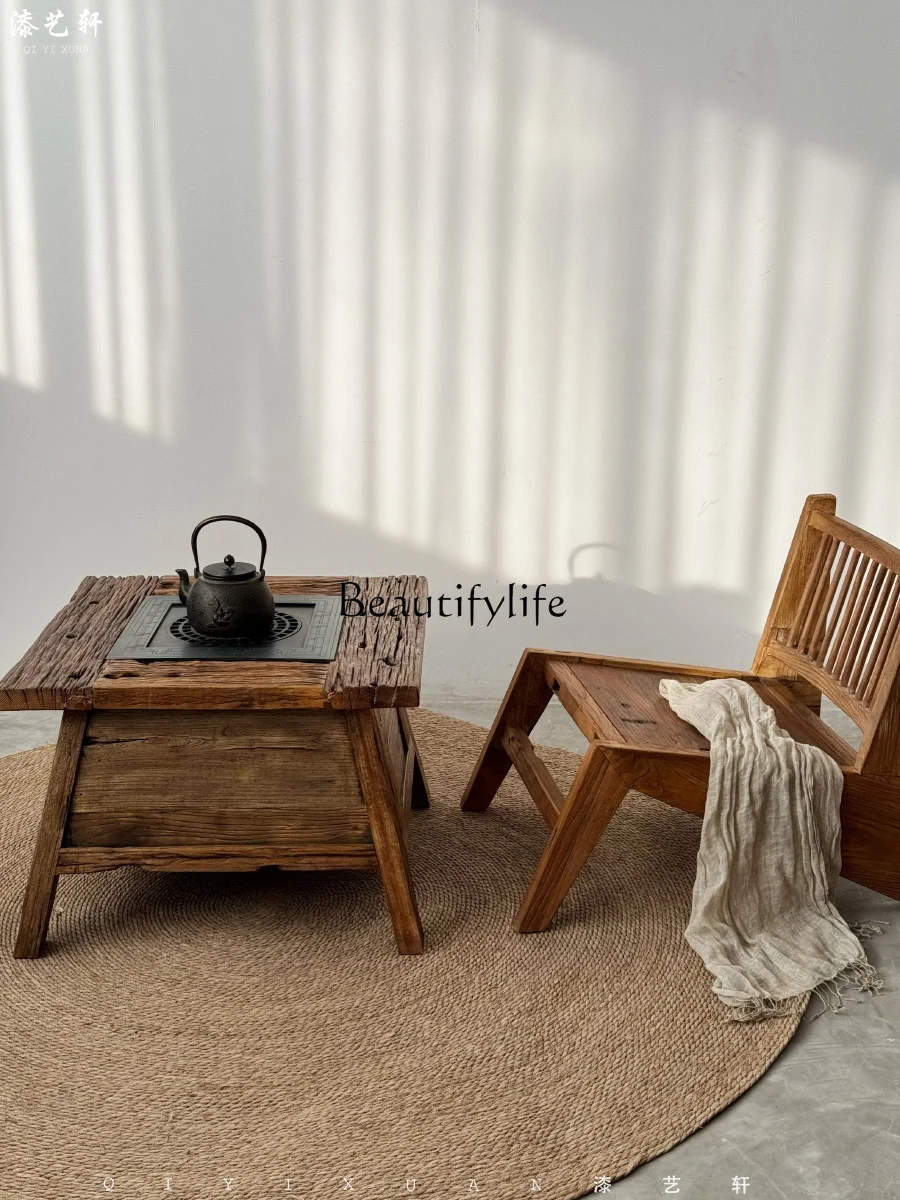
x,y
474,660
601,617
462,289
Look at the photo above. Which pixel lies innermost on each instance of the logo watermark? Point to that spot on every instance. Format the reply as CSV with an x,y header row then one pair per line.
x,y
512,604
23,24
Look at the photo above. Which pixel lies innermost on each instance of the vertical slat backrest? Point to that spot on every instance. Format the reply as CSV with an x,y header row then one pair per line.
x,y
839,630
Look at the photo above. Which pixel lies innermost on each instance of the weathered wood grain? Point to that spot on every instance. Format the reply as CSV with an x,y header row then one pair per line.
x,y
378,663
301,729
804,725
164,778
134,776
563,676
204,765
844,634
639,664
595,794
202,825
59,669
677,777
41,889
527,696
393,752
618,702
793,584
209,684
824,519
791,660
870,832
387,832
79,860
631,701
879,753
534,774
379,658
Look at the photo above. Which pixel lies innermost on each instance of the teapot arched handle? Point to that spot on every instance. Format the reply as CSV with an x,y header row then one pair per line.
x,y
240,521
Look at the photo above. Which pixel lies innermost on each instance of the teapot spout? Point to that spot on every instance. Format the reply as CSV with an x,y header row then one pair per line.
x,y
184,585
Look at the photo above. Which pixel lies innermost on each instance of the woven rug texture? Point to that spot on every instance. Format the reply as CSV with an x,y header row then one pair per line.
x,y
261,1028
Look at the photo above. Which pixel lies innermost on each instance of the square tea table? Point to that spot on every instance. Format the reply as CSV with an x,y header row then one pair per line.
x,y
200,765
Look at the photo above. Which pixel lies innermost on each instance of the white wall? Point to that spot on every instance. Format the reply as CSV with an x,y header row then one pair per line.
x,y
489,291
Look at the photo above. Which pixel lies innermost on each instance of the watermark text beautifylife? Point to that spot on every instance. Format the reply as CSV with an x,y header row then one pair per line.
x,y
519,600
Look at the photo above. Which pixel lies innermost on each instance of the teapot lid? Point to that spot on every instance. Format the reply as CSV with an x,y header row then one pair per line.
x,y
228,569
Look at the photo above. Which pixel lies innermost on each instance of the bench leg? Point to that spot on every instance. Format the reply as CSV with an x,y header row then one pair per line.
x,y
595,794
41,890
387,832
526,698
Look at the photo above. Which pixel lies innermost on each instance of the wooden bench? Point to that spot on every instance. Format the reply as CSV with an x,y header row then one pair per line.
x,y
832,629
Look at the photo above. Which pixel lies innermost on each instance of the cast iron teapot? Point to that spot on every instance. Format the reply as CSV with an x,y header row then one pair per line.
x,y
228,599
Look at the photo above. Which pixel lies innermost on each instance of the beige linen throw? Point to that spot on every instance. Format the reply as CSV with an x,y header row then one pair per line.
x,y
763,918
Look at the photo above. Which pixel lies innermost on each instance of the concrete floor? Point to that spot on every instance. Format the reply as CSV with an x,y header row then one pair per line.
x,y
822,1124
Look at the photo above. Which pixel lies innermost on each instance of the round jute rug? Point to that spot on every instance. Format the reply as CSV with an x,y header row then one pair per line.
x,y
262,1029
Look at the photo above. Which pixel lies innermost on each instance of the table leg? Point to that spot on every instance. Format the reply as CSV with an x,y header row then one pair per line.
x,y
387,833
41,889
420,796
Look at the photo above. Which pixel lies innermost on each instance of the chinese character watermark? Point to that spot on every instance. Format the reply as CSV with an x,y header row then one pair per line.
x,y
53,19
21,24
88,20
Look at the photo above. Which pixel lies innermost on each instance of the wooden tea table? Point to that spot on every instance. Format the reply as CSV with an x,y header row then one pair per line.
x,y
225,766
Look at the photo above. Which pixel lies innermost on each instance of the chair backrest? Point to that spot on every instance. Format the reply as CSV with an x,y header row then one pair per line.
x,y
834,622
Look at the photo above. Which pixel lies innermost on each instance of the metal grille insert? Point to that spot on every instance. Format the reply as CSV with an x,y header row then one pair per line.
x,y
285,626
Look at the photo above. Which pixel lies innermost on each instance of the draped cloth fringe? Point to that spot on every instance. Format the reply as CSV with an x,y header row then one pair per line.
x,y
763,917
